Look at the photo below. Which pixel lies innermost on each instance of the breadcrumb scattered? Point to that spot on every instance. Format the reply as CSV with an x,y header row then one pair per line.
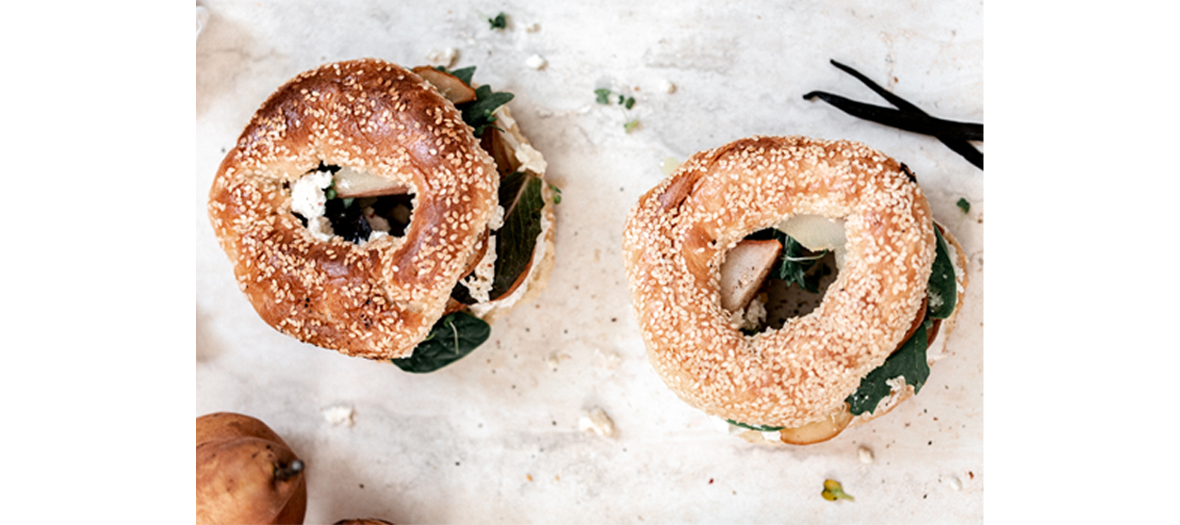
x,y
445,57
339,415
536,62
865,455
598,422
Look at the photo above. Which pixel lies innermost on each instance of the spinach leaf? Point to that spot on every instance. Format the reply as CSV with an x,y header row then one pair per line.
x,y
451,338
942,291
478,112
908,361
759,428
520,195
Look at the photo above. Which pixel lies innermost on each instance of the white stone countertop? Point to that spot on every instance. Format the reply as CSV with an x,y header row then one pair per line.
x,y
495,437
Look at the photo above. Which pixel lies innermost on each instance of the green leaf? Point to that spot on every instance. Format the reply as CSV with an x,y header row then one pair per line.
x,y
603,96
629,102
556,194
942,292
464,74
794,262
478,112
499,22
909,361
963,205
451,338
759,428
631,125
520,195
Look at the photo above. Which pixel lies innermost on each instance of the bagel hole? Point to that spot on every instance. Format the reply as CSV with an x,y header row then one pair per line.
x,y
785,299
784,302
356,219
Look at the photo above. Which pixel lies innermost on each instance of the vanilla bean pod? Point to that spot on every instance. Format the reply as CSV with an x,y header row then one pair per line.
x,y
916,123
956,143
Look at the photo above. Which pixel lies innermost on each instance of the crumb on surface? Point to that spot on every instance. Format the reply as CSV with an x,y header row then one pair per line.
x,y
865,455
339,415
442,57
536,62
597,421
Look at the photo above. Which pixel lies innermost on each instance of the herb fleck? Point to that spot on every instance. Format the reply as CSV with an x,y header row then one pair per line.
x,y
603,95
499,22
631,125
963,205
834,491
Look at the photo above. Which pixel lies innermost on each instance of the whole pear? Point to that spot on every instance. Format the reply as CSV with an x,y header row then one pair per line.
x,y
246,473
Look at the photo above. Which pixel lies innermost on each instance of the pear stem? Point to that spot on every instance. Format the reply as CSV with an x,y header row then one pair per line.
x,y
289,471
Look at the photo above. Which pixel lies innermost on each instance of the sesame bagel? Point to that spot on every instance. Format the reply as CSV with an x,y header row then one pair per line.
x,y
676,240
376,297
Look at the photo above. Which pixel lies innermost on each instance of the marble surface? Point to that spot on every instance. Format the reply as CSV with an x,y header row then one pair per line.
x,y
495,437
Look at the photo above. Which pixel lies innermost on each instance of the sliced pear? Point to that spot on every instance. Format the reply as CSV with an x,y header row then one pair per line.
x,y
448,85
822,430
743,271
817,233
351,183
494,144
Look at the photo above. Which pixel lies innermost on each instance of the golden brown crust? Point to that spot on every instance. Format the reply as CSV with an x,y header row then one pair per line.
x,y
379,299
676,238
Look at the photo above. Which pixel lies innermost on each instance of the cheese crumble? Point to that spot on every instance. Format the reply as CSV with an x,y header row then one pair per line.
x,y
598,422
479,283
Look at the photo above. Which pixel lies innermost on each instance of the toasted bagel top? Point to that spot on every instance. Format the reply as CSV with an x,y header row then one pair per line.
x,y
679,233
379,299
